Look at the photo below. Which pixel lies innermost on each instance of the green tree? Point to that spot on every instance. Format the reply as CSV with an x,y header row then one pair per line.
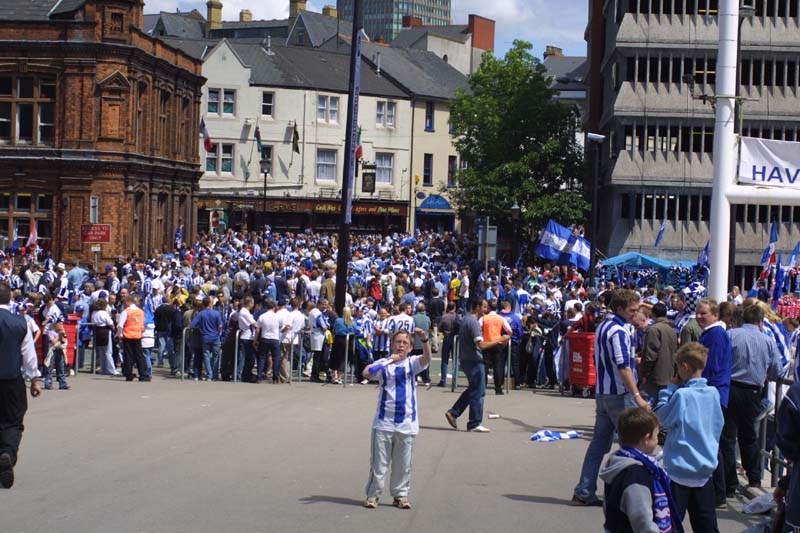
x,y
518,145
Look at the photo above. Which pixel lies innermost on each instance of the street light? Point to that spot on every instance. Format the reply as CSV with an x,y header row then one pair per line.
x,y
515,212
597,140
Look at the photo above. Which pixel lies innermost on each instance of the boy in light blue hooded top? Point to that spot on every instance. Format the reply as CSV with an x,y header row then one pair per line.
x,y
690,410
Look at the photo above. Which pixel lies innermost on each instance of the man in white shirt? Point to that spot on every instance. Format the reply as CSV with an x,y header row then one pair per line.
x,y
292,324
247,338
17,362
269,328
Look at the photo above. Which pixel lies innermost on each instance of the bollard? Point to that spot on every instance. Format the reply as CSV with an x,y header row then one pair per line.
x,y
299,357
346,359
183,353
236,358
454,355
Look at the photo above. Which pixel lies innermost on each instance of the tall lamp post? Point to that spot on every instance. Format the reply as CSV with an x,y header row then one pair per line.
x,y
515,212
597,141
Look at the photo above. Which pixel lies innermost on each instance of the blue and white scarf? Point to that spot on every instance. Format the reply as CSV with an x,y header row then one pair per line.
x,y
665,514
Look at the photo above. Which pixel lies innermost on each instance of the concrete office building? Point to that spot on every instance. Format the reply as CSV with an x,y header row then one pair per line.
x,y
656,161
383,19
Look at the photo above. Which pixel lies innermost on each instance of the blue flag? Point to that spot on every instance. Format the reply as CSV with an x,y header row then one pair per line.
x,y
14,244
661,231
768,257
779,278
554,240
702,259
793,256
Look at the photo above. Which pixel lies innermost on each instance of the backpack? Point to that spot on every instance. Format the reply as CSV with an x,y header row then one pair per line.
x,y
375,290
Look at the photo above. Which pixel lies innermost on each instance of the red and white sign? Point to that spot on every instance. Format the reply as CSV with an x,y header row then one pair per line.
x,y
96,233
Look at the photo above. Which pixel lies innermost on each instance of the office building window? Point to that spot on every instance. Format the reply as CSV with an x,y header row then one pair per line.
x,y
27,110
328,109
220,159
384,163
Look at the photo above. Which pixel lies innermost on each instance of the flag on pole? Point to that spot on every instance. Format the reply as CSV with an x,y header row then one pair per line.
x,y
207,143
702,259
661,231
295,139
259,144
768,258
14,244
777,292
32,237
179,236
359,148
793,256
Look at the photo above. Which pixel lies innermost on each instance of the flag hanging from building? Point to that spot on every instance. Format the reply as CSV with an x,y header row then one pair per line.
x,y
702,259
259,144
33,236
768,258
207,143
359,148
661,231
295,139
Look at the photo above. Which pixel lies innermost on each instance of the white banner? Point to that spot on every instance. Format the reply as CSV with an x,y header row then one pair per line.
x,y
770,163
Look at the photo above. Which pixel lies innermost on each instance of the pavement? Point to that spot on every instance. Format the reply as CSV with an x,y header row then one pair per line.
x,y
171,456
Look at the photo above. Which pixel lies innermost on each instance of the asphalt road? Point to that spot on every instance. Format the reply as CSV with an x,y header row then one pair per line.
x,y
110,456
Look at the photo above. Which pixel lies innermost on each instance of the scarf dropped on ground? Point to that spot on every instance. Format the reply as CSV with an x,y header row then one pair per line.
x,y
665,514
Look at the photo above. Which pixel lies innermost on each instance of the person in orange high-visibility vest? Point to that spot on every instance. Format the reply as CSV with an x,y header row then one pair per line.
x,y
494,327
130,328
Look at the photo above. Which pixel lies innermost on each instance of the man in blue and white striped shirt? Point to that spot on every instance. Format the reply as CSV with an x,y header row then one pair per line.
x,y
615,390
380,340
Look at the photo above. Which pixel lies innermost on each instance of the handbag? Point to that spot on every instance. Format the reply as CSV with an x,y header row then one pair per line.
x,y
101,336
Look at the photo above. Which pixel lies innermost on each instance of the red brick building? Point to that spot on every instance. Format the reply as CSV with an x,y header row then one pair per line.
x,y
99,123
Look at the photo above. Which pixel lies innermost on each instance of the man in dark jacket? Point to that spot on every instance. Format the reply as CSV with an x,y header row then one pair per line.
x,y
658,353
788,440
163,323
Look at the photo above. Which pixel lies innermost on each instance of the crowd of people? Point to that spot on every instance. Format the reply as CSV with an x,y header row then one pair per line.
x,y
700,365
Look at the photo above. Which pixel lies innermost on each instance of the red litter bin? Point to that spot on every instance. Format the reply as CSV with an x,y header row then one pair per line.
x,y
71,329
582,372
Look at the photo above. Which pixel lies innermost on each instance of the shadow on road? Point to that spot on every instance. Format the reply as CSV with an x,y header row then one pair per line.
x,y
538,499
331,499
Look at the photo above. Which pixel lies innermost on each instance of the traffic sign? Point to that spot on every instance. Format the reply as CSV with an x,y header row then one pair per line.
x,y
96,233
96,248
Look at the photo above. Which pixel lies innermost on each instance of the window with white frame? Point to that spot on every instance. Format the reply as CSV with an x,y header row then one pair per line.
x,y
220,159
384,164
221,102
267,104
328,109
380,114
326,165
385,114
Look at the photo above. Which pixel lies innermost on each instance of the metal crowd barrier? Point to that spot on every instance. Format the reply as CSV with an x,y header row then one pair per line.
x,y
346,360
508,369
455,355
235,358
183,352
777,464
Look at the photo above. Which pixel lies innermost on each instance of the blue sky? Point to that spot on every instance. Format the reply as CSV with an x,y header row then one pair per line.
x,y
540,22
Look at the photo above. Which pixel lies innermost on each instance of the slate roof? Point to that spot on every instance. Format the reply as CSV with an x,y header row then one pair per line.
x,y
26,10
408,36
420,72
276,23
192,47
150,22
320,28
67,6
182,25
309,68
568,72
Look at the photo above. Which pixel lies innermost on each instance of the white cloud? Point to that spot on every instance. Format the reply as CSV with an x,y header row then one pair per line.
x,y
540,22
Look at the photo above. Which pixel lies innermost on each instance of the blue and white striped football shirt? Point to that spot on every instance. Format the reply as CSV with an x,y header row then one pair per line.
x,y
612,351
397,397
401,322
380,341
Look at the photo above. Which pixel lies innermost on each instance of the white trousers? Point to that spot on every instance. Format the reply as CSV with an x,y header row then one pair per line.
x,y
394,447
